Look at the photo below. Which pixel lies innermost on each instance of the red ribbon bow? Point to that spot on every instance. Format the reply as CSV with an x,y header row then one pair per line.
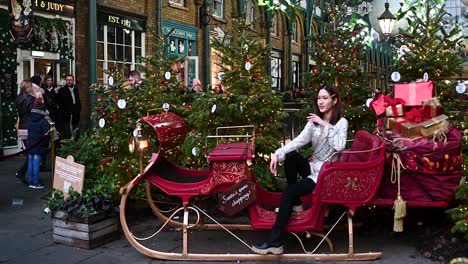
x,y
415,115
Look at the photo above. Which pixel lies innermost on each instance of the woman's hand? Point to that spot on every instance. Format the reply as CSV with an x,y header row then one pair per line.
x,y
273,163
313,118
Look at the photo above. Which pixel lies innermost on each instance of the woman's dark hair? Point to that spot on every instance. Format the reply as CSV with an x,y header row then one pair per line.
x,y
337,108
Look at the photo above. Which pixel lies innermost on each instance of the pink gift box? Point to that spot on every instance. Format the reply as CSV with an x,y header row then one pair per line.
x,y
414,93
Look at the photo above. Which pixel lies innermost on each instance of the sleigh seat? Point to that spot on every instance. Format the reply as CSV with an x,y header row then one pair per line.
x,y
352,181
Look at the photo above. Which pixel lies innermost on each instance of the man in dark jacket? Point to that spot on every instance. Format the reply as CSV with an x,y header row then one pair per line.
x,y
69,103
50,98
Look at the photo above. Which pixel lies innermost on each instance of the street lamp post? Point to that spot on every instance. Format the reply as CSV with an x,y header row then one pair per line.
x,y
386,21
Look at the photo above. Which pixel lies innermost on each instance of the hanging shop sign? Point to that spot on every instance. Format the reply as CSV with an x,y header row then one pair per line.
x,y
121,21
54,7
179,31
20,20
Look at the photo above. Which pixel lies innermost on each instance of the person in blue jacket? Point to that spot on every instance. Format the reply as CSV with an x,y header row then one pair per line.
x,y
38,126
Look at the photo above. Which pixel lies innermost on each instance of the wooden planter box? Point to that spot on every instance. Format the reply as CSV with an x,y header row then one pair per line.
x,y
89,232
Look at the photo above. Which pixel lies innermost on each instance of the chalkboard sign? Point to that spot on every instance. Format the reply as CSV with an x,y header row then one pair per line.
x,y
236,198
9,86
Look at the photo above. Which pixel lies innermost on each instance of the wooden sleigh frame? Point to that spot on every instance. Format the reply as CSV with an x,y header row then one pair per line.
x,y
357,176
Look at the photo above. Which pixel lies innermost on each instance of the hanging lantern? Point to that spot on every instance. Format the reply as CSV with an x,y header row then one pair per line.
x,y
386,21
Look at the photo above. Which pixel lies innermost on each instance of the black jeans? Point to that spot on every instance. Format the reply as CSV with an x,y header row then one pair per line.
x,y
294,164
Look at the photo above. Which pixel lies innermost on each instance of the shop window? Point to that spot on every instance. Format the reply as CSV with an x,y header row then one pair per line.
x,y
276,73
117,47
218,6
249,12
274,25
177,2
296,73
216,66
294,32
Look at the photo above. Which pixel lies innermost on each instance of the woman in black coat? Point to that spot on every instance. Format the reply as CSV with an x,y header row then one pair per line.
x,y
24,103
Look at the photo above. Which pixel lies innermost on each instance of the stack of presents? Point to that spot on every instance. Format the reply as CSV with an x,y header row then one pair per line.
x,y
419,134
413,113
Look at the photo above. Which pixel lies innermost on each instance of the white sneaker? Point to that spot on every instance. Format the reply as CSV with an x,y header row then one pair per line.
x,y
36,186
295,208
298,208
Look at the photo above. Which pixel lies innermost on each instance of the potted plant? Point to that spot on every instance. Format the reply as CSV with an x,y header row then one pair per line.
x,y
89,219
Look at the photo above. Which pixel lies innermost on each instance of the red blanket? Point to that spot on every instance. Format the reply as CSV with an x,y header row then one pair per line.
x,y
432,170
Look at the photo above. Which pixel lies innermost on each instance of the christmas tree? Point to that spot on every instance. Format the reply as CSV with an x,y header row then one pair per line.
x,y
339,53
117,108
247,100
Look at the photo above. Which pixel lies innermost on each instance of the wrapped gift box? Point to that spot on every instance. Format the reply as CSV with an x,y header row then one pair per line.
x,y
429,127
405,128
410,130
395,110
414,93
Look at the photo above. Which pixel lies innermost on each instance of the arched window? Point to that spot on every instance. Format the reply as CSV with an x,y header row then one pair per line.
x,y
249,12
218,8
274,24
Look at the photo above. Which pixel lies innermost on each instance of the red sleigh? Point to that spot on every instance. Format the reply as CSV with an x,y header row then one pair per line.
x,y
352,181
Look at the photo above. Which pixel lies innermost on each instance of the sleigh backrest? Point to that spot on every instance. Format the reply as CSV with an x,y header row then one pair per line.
x,y
170,129
366,147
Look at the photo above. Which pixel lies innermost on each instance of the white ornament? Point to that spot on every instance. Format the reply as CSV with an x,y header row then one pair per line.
x,y
461,88
110,80
368,102
102,122
403,50
213,108
425,77
167,75
195,151
395,76
241,109
121,103
248,66
166,107
135,132
221,75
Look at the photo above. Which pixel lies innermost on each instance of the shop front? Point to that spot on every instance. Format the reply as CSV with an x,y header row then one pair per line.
x,y
120,41
36,38
182,43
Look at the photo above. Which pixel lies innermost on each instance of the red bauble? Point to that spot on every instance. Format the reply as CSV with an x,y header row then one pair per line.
x,y
339,68
116,117
314,69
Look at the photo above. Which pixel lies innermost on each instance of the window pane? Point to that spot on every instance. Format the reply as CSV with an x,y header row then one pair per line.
x,y
100,33
128,54
120,53
100,72
119,36
128,37
111,52
138,52
110,34
100,50
137,39
110,66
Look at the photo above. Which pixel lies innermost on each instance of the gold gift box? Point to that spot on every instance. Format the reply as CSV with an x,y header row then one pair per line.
x,y
430,126
410,130
406,129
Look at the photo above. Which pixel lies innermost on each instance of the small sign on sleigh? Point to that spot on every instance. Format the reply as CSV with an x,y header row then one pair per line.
x,y
236,198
